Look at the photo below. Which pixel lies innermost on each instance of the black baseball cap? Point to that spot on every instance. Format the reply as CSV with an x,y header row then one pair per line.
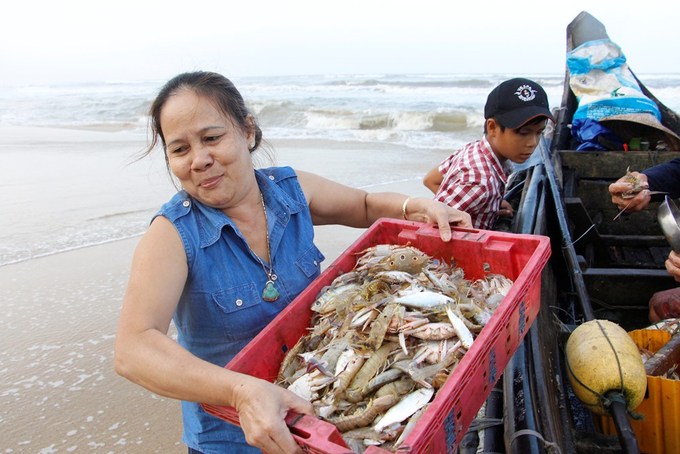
x,y
517,101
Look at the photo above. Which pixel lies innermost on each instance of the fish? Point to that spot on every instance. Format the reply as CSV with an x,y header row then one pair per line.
x,y
407,406
462,331
410,425
422,299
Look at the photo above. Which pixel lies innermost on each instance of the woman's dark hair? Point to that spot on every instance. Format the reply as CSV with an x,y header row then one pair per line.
x,y
213,86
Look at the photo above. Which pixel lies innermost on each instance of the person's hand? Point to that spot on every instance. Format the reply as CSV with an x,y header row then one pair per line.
x,y
438,213
664,304
630,193
673,265
262,407
506,210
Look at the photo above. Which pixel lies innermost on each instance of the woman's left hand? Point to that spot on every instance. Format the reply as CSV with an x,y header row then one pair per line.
x,y
434,212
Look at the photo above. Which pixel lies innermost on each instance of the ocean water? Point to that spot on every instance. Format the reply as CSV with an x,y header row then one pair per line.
x,y
420,111
73,185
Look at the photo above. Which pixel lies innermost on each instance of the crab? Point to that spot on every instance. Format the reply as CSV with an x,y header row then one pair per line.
x,y
637,185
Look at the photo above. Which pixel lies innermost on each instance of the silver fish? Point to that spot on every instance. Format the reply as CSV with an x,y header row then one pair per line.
x,y
407,406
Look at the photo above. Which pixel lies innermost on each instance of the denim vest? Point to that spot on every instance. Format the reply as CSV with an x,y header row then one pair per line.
x,y
221,308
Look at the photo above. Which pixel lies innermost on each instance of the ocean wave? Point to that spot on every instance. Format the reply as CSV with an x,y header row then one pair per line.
x,y
28,245
90,105
13,259
310,118
470,82
343,106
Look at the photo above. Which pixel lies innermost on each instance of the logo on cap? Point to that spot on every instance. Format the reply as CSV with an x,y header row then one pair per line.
x,y
525,93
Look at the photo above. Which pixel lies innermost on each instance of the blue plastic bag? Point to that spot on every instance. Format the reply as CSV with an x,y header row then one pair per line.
x,y
591,135
603,84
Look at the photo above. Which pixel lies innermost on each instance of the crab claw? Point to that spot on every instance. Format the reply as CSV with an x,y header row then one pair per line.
x,y
314,363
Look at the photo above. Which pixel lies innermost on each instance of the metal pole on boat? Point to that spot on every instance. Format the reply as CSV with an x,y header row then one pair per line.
x,y
627,437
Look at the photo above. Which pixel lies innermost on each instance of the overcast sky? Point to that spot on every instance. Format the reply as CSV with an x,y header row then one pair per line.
x,y
50,41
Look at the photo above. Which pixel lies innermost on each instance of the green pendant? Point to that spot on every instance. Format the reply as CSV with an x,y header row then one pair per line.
x,y
270,293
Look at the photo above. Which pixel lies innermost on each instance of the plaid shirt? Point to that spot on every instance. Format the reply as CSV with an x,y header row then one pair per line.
x,y
474,181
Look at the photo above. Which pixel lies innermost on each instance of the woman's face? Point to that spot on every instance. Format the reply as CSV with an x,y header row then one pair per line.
x,y
206,151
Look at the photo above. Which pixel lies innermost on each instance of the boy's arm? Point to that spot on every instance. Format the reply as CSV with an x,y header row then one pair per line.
x,y
433,179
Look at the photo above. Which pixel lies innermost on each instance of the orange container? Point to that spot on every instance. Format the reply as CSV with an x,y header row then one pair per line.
x,y
441,428
659,430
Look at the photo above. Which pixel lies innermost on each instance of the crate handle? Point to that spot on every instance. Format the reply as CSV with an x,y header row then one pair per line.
x,y
311,432
433,230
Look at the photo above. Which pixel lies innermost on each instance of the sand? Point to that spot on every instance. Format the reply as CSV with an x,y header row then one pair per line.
x,y
58,389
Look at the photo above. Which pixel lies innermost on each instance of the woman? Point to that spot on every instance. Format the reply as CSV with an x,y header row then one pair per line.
x,y
224,256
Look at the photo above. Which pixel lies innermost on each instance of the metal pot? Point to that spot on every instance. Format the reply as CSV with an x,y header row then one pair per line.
x,y
669,216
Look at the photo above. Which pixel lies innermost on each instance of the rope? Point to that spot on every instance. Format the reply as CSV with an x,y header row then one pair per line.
x,y
612,396
549,445
582,235
618,397
618,363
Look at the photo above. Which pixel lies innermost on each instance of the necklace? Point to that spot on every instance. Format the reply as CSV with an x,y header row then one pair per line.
x,y
269,293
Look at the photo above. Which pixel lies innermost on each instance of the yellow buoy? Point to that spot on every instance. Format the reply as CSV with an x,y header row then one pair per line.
x,y
602,358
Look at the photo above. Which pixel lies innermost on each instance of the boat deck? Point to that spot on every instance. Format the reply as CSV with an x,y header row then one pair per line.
x,y
621,255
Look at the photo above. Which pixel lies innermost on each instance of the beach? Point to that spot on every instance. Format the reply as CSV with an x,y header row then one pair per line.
x,y
59,391
77,198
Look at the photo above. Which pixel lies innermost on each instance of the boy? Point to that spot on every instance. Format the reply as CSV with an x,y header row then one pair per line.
x,y
473,178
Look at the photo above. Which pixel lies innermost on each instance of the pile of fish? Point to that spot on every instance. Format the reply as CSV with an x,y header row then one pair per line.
x,y
383,338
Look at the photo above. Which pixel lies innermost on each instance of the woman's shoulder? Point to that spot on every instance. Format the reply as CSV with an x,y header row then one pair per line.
x,y
284,183
277,174
178,205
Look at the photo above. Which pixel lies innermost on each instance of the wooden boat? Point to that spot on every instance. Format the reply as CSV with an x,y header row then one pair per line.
x,y
602,266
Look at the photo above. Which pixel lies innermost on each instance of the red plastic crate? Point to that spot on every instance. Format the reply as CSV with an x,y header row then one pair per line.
x,y
441,428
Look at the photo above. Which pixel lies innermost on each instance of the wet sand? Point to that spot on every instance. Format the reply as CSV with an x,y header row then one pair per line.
x,y
59,391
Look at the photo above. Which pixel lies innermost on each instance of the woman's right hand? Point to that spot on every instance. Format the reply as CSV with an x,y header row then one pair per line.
x,y
262,407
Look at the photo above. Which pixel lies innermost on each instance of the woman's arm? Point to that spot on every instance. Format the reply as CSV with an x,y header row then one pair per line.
x,y
334,203
146,355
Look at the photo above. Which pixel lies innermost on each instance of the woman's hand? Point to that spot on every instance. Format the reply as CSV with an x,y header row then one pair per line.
x,y
624,195
262,407
438,213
